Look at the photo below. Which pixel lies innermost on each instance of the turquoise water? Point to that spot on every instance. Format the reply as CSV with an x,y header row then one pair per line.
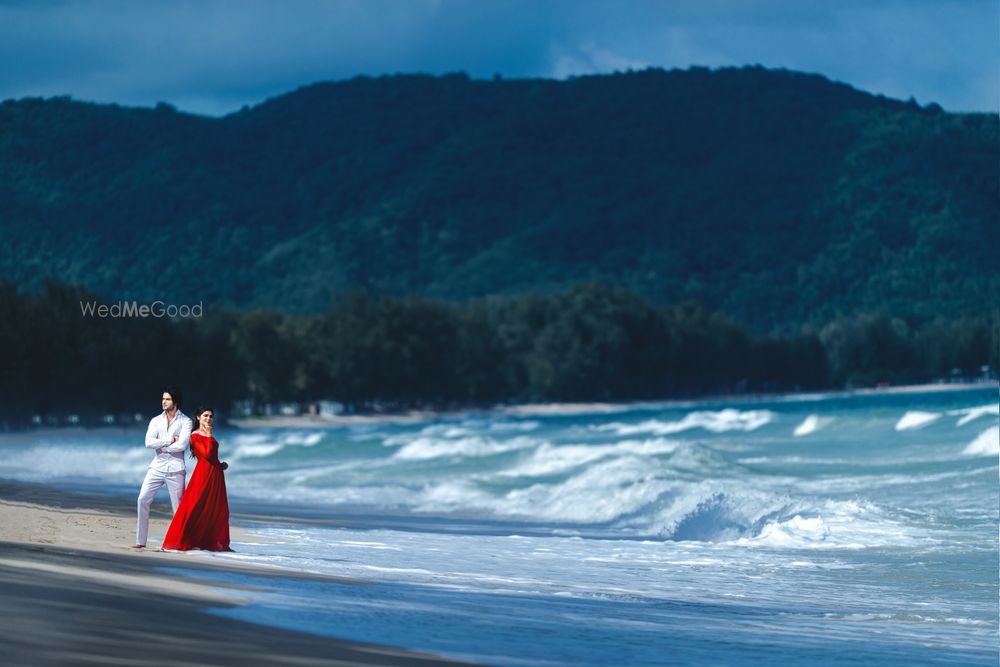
x,y
807,529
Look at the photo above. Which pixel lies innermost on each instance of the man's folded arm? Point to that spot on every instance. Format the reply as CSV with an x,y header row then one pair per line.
x,y
152,441
182,438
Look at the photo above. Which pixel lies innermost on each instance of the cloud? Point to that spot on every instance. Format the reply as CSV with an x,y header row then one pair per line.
x,y
588,58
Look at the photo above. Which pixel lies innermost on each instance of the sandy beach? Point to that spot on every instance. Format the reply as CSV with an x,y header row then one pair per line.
x,y
75,593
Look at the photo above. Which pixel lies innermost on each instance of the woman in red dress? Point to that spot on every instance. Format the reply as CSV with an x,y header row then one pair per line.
x,y
202,519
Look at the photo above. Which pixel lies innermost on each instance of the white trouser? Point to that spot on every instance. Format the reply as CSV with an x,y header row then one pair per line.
x,y
154,480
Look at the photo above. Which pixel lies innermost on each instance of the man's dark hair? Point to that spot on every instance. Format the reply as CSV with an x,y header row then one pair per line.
x,y
176,394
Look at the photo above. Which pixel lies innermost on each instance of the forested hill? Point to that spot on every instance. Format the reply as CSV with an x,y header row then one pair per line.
x,y
775,196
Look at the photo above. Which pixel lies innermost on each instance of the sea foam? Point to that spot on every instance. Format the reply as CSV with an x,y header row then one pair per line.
x,y
550,459
810,425
968,414
716,422
259,445
473,446
915,419
986,443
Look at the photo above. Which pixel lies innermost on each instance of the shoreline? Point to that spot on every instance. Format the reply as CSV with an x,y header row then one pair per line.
x,y
72,591
542,409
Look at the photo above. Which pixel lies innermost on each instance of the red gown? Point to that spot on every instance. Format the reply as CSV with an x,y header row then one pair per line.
x,y
202,520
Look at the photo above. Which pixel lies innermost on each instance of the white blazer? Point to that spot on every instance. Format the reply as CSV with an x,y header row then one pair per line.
x,y
169,457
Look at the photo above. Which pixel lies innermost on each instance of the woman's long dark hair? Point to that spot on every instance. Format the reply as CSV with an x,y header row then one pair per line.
x,y
198,413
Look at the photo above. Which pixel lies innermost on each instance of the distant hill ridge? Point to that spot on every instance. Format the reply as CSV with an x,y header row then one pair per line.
x,y
778,197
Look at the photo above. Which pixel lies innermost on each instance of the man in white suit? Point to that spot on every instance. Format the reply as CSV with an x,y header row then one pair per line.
x,y
168,433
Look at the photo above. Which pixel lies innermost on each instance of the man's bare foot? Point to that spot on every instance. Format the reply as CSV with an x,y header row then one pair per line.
x,y
138,546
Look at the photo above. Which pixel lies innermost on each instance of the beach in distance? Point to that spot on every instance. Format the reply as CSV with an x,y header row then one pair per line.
x,y
525,409
842,528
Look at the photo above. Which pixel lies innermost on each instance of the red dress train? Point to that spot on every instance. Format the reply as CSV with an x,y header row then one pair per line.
x,y
202,520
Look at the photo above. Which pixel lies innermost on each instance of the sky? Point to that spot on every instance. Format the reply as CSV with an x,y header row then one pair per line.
x,y
214,56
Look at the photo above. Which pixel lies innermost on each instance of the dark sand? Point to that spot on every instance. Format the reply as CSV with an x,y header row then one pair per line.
x,y
72,592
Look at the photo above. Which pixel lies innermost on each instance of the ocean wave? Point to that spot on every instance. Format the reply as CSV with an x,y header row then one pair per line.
x,y
249,438
915,419
865,485
794,460
283,488
599,493
423,448
255,451
910,618
707,512
452,496
627,497
572,409
551,459
432,431
794,531
120,465
605,483
304,439
968,414
986,443
717,422
465,429
811,424
260,445
314,475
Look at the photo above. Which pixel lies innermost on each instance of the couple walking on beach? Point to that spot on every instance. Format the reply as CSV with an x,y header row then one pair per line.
x,y
201,513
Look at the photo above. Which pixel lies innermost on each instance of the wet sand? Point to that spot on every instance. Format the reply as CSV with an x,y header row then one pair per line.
x,y
73,592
